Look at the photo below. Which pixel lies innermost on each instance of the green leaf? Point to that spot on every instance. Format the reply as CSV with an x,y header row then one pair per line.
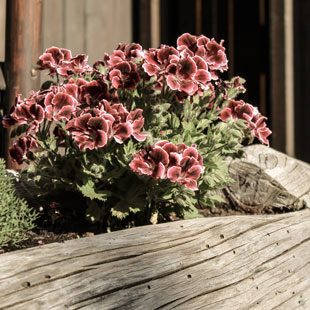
x,y
120,210
88,190
192,213
217,198
175,122
165,106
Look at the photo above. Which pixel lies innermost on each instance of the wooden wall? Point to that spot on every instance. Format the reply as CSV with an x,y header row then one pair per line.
x,y
91,27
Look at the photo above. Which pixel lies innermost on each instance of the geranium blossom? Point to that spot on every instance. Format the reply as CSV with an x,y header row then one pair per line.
x,y
22,149
254,120
164,160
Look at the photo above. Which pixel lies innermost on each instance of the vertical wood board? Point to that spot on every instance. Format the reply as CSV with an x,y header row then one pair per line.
x,y
2,29
107,24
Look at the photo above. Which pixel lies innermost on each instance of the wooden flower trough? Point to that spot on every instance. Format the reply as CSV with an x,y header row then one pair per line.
x,y
234,262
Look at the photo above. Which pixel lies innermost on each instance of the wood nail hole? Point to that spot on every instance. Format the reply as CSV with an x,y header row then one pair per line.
x,y
189,276
234,251
149,287
47,276
207,246
26,284
222,236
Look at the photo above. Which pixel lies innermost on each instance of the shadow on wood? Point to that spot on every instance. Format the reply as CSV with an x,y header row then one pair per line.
x,y
238,262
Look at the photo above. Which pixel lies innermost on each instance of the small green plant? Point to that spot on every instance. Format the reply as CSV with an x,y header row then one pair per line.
x,y
16,217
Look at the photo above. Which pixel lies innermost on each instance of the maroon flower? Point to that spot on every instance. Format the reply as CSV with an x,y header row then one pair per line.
x,y
178,163
137,121
60,106
93,92
90,131
124,75
254,120
22,149
54,58
75,65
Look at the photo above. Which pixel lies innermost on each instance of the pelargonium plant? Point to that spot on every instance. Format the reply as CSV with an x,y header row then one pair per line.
x,y
142,135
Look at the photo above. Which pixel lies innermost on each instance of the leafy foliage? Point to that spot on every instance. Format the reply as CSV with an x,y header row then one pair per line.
x,y
143,135
16,217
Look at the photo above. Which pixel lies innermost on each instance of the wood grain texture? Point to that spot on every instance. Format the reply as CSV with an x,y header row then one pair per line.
x,y
238,262
108,23
268,179
2,29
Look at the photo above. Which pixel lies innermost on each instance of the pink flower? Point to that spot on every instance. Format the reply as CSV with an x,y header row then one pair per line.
x,y
53,59
212,52
90,131
93,92
254,120
21,149
164,160
75,65
60,106
124,75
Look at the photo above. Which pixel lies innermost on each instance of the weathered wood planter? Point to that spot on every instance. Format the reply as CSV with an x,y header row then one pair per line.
x,y
235,262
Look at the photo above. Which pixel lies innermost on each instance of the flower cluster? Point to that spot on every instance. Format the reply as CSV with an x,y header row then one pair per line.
x,y
254,120
95,127
60,61
189,68
164,160
161,113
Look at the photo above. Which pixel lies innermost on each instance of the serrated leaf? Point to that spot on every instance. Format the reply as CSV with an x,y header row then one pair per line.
x,y
192,213
165,106
175,122
120,210
217,198
88,190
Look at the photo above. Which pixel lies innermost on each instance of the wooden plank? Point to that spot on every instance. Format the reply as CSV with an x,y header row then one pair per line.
x,y
2,29
2,80
107,24
155,23
74,26
23,48
52,28
277,78
239,262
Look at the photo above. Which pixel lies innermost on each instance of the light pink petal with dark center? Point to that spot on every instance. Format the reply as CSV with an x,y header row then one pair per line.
x,y
81,121
161,143
187,68
139,136
190,184
190,152
187,40
170,147
159,171
225,114
194,172
174,173
65,113
122,132
98,123
202,76
174,159
172,82
67,54
101,139
60,100
159,155
150,69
